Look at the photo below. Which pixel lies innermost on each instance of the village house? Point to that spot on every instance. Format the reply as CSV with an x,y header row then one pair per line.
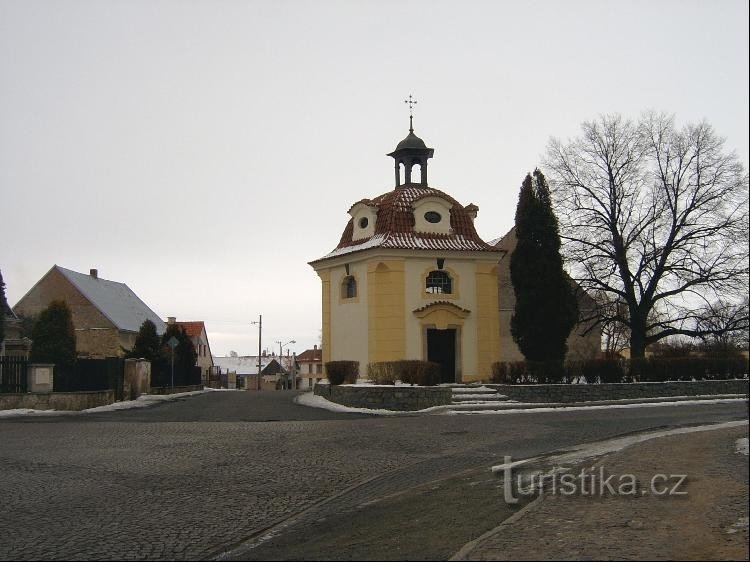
x,y
106,314
196,331
14,344
310,364
274,369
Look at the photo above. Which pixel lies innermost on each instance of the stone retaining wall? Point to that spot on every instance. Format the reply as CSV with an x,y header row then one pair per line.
x,y
400,398
75,401
174,390
617,391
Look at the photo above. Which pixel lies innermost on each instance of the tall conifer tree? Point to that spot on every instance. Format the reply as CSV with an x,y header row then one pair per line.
x,y
546,307
54,337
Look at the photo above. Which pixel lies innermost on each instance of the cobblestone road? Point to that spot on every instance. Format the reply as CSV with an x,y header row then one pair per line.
x,y
191,479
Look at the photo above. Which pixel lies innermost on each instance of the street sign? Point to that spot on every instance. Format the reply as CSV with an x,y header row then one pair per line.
x,y
173,342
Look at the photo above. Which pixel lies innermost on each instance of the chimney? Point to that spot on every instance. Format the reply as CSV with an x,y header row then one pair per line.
x,y
94,273
171,320
315,347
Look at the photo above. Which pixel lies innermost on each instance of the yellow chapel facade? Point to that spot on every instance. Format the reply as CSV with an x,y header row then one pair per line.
x,y
411,279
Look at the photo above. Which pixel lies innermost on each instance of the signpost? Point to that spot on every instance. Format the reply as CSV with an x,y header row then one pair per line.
x,y
173,342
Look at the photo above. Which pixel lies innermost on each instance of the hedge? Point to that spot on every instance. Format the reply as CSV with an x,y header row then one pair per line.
x,y
411,371
339,372
593,371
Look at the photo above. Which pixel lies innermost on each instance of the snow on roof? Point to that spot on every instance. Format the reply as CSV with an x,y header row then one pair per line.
x,y
248,364
115,300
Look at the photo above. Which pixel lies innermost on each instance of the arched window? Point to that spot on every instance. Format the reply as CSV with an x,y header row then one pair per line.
x,y
349,288
438,282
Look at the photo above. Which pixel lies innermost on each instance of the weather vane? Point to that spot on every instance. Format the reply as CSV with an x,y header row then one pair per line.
x,y
412,103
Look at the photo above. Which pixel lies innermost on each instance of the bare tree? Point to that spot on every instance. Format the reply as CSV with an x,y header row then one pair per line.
x,y
657,219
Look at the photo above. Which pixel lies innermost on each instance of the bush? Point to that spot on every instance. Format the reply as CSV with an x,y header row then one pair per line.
x,y
381,373
413,371
339,372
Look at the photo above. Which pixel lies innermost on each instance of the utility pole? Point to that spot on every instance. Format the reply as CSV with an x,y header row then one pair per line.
x,y
260,335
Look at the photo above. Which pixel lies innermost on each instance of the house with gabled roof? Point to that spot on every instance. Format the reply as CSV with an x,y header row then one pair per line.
x,y
196,331
310,364
106,314
272,368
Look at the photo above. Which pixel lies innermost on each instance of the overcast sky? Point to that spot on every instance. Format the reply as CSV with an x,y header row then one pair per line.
x,y
204,151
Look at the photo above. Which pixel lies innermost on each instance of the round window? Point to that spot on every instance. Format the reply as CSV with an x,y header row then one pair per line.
x,y
363,222
432,216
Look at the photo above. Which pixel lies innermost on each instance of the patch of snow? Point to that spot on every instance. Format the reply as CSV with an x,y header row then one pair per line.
x,y
741,448
472,389
142,401
314,401
590,450
597,407
741,523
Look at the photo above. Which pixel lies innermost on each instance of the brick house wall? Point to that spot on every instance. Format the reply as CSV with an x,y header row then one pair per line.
x,y
96,336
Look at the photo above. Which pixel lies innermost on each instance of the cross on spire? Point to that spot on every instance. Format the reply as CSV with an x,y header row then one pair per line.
x,y
412,103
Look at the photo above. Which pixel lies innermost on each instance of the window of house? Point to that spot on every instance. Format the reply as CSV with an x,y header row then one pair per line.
x,y
318,369
349,287
438,282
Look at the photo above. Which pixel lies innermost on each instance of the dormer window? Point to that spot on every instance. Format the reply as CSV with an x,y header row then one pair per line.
x,y
432,214
349,288
364,214
432,217
439,282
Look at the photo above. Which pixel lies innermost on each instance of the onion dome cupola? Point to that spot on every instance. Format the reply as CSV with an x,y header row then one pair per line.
x,y
410,152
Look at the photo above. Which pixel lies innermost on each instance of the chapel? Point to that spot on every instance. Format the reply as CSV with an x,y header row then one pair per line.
x,y
411,279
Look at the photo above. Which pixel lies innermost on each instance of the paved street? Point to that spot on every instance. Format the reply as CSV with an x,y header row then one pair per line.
x,y
208,474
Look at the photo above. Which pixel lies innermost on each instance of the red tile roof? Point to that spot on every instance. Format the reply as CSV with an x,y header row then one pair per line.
x,y
310,356
192,329
394,227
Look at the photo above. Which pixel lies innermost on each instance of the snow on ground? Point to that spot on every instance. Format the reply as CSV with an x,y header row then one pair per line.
x,y
596,407
313,401
591,450
143,401
741,446
472,389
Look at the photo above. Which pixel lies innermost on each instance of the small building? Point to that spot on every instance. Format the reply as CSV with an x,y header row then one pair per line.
x,y
310,370
584,341
196,331
13,344
411,279
106,314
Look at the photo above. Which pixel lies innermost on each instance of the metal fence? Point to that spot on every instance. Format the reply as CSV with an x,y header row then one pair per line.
x,y
13,375
161,376
91,375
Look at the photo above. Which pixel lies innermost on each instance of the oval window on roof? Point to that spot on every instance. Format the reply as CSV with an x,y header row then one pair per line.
x,y
363,222
433,217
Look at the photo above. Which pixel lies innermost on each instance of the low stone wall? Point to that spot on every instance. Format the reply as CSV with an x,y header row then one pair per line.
x,y
174,390
400,398
75,401
617,391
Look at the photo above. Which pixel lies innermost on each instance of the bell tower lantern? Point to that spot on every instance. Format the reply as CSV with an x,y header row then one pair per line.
x,y
410,152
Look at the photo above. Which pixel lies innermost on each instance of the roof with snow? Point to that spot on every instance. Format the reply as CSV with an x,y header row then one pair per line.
x,y
114,300
394,226
248,364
